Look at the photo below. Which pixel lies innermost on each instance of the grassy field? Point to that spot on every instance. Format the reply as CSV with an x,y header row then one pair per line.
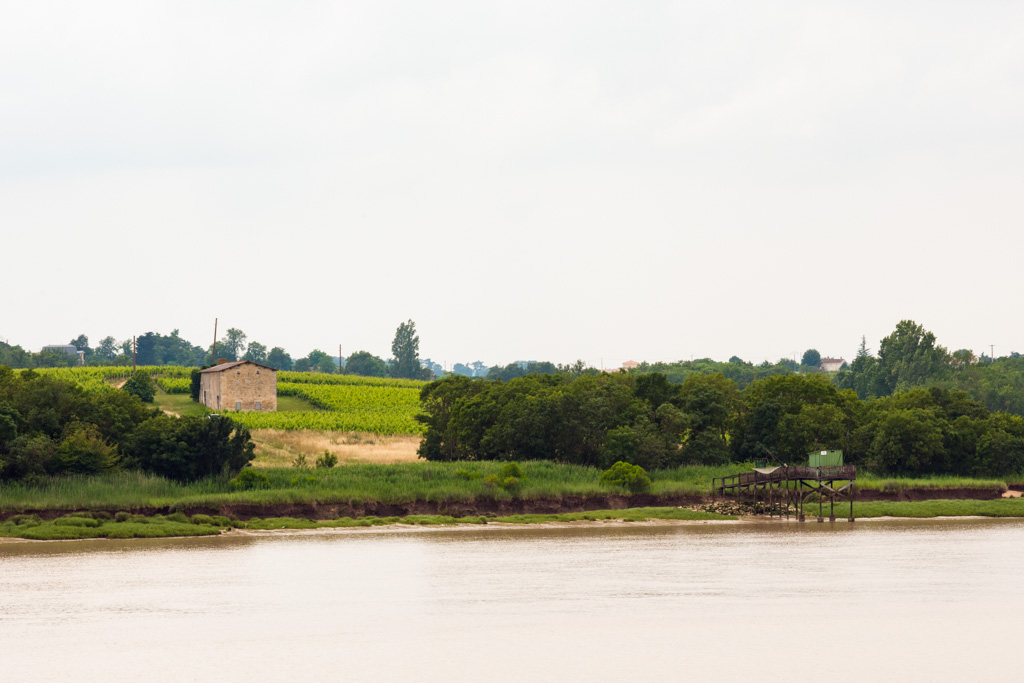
x,y
360,482
280,448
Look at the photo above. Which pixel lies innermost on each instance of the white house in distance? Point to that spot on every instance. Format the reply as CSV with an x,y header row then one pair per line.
x,y
831,364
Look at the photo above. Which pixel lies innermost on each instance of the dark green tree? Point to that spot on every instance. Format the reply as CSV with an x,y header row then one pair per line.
x,y
908,358
256,352
366,364
405,350
811,358
279,359
231,344
141,385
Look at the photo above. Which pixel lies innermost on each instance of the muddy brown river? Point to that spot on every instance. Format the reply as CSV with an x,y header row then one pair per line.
x,y
893,601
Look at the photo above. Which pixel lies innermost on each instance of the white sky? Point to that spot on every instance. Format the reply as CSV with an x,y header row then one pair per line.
x,y
525,180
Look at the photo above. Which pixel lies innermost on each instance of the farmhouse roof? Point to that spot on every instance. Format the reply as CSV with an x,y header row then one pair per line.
x,y
235,364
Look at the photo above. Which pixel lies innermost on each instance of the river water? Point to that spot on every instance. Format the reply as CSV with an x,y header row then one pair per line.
x,y
897,601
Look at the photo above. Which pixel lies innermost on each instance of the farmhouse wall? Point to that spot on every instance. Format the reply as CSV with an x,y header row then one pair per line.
x,y
239,387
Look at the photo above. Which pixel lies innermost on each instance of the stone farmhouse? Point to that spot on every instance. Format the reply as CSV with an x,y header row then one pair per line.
x,y
238,385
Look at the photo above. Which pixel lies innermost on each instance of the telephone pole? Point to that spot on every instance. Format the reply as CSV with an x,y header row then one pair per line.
x,y
213,361
133,354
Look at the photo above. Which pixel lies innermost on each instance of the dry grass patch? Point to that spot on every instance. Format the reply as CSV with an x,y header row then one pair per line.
x,y
277,448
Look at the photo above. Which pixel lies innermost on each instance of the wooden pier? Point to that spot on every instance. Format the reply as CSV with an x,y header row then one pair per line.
x,y
777,489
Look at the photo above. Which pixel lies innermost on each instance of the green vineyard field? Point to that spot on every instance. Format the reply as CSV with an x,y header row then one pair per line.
x,y
344,402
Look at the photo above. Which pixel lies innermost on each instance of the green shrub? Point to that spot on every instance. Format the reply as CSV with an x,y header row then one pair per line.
x,y
221,520
633,478
300,461
303,481
76,521
249,479
139,519
492,481
467,475
101,514
122,516
511,469
141,385
203,519
21,520
178,517
327,460
510,484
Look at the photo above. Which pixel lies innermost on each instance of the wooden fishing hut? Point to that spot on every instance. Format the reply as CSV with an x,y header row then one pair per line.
x,y
778,488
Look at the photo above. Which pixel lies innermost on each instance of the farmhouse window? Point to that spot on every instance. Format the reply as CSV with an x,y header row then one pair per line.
x,y
259,405
238,405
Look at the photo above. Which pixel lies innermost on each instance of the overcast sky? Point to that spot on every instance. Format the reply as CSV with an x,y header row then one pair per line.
x,y
525,180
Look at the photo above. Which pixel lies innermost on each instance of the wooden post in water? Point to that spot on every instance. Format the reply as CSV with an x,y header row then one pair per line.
x,y
832,503
851,501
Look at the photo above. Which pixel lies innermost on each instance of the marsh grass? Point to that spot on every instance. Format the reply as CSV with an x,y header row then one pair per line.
x,y
1000,507
385,483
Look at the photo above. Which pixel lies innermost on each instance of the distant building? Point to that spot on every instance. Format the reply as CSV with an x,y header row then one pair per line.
x,y
239,385
625,367
831,364
68,349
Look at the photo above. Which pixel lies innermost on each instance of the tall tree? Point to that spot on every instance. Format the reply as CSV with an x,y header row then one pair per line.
x,y
256,352
231,345
107,348
909,357
406,354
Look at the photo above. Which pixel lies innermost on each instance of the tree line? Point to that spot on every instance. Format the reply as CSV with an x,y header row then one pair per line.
x,y
646,420
154,349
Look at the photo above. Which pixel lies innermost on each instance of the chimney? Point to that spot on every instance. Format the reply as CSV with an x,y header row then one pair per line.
x,y
222,361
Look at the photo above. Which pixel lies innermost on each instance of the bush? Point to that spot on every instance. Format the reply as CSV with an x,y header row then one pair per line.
x,y
178,517
141,385
467,475
22,520
510,484
249,479
84,451
492,481
300,461
327,460
76,521
122,516
203,519
511,469
190,448
633,478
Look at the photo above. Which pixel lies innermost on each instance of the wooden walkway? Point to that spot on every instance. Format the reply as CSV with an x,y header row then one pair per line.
x,y
777,490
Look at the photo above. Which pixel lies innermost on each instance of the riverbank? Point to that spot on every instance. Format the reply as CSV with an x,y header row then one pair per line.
x,y
123,525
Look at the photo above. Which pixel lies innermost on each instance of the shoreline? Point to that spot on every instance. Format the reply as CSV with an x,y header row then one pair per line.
x,y
481,506
610,522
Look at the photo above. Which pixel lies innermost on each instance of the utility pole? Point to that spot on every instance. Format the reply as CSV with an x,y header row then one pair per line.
x,y
339,359
213,361
991,352
133,354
